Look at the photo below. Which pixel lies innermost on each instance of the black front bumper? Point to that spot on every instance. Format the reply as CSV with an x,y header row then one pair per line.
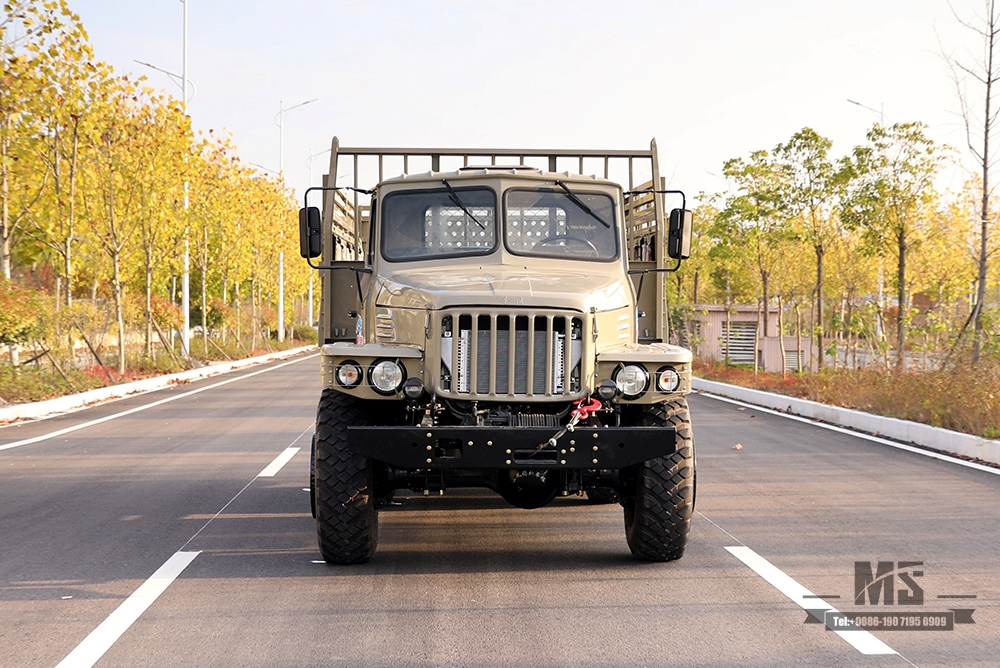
x,y
511,447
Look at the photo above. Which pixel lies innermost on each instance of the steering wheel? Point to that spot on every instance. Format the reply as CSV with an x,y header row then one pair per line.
x,y
578,240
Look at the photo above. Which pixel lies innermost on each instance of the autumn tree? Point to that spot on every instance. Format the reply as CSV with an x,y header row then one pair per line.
x,y
114,207
34,35
751,227
161,158
888,196
975,81
807,192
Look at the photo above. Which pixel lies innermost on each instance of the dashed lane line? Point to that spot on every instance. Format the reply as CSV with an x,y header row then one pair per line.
x,y
279,462
859,639
100,640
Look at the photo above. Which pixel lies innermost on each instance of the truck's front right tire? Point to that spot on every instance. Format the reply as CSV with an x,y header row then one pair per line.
x,y
660,502
346,516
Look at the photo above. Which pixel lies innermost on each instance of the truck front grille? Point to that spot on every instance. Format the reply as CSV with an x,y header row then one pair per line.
x,y
490,355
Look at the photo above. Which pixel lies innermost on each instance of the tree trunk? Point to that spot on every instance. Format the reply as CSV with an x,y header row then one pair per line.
x,y
781,339
820,349
901,297
5,231
116,286
204,293
977,336
149,311
798,336
764,276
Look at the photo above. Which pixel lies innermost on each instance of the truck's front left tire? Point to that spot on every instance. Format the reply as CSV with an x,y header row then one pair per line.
x,y
346,516
660,502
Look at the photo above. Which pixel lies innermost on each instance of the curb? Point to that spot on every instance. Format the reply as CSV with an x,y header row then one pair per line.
x,y
944,440
40,409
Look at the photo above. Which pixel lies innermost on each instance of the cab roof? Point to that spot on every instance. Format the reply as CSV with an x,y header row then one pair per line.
x,y
519,172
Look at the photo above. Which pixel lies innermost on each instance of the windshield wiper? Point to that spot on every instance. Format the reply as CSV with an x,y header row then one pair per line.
x,y
579,202
453,196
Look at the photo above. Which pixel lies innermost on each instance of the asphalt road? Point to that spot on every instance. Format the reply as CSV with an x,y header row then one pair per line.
x,y
88,516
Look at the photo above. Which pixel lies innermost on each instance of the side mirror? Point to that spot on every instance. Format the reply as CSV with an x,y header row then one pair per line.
x,y
310,232
679,236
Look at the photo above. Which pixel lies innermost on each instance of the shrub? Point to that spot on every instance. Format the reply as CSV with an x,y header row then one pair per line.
x,y
19,313
962,398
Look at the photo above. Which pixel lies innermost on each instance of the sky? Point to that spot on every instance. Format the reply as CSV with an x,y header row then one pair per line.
x,y
710,80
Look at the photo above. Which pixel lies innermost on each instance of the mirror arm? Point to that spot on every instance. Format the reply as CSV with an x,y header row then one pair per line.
x,y
359,270
663,270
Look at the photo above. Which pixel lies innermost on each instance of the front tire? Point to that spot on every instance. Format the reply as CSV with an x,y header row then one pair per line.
x,y
658,512
346,516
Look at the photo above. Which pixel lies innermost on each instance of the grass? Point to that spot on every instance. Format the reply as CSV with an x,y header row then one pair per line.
x,y
963,398
33,382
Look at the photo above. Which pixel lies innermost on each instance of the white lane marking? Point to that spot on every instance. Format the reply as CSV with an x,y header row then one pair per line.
x,y
861,640
100,640
84,425
278,463
858,434
245,488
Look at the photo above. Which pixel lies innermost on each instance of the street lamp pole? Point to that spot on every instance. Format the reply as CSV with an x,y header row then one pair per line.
x,y
881,296
880,111
309,167
186,280
279,120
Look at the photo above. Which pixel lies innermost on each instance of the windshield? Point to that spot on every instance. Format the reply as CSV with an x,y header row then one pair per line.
x,y
427,224
553,223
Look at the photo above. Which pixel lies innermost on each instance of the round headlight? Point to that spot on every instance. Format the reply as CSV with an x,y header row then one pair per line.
x,y
349,374
386,376
632,380
667,379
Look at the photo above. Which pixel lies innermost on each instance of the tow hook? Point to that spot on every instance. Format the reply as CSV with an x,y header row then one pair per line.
x,y
585,407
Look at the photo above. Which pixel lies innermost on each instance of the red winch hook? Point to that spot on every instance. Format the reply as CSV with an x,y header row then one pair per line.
x,y
582,412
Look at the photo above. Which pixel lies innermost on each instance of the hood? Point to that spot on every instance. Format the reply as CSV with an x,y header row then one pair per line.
x,y
506,285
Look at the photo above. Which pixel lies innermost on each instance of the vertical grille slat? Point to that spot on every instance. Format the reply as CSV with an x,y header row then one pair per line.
x,y
510,356
519,358
482,355
493,358
529,381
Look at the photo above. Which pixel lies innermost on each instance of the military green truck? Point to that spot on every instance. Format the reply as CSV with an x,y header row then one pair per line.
x,y
499,326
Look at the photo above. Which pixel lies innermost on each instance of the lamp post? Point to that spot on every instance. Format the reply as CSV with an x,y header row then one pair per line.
x,y
309,167
279,121
881,296
880,111
176,78
186,278
309,161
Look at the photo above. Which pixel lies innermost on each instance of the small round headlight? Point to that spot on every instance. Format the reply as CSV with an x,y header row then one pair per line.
x,y
632,380
386,376
349,374
667,379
